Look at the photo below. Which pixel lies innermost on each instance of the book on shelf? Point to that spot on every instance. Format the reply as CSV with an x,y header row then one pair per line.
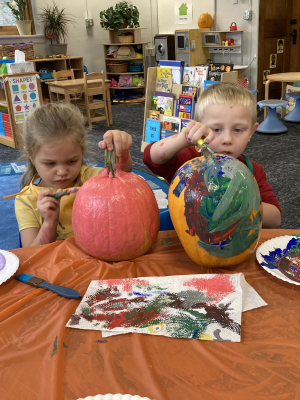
x,y
164,72
165,133
171,123
176,69
193,91
164,103
163,84
184,107
184,123
152,132
216,70
154,114
188,76
201,73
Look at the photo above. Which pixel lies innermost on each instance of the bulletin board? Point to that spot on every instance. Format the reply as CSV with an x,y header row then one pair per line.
x,y
23,94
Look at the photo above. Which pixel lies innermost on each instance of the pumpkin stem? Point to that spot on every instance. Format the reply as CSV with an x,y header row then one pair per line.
x,y
110,161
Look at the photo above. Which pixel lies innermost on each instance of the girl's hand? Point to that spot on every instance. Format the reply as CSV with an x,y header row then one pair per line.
x,y
122,141
196,130
48,206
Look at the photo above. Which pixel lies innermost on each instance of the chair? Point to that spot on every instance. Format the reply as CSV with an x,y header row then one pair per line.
x,y
272,124
61,75
294,115
94,84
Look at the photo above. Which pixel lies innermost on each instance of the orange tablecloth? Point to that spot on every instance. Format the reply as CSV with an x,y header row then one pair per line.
x,y
42,359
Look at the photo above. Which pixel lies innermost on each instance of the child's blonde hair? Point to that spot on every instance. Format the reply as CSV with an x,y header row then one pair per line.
x,y
50,124
226,93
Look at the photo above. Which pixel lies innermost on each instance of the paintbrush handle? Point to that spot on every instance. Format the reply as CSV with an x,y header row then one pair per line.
x,y
60,194
60,290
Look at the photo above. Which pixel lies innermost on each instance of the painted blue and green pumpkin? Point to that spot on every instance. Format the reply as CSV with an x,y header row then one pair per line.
x,y
216,210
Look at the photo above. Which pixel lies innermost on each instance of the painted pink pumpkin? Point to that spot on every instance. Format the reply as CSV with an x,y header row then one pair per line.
x,y
115,218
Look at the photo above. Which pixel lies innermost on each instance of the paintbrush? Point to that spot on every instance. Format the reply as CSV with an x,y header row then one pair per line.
x,y
65,193
206,150
42,284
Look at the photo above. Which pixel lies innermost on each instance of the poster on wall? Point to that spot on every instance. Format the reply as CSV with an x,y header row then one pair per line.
x,y
280,45
24,96
183,12
273,60
266,74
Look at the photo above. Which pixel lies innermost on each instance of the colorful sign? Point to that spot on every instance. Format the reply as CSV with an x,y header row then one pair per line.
x,y
24,95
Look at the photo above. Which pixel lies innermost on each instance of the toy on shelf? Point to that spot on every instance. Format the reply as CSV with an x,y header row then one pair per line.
x,y
233,26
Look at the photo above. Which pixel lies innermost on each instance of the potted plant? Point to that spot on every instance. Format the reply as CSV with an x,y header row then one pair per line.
x,y
18,8
124,15
56,22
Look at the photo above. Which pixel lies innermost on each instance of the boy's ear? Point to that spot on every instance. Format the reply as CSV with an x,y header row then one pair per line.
x,y
255,126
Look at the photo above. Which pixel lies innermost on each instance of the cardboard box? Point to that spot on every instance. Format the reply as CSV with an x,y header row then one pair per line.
x,y
17,68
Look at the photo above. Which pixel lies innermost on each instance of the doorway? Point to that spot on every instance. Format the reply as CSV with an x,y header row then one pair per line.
x,y
278,42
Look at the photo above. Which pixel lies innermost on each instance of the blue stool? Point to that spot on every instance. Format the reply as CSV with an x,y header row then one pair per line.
x,y
294,115
272,124
253,91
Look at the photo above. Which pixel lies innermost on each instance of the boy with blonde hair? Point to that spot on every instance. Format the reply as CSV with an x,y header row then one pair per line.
x,y
226,114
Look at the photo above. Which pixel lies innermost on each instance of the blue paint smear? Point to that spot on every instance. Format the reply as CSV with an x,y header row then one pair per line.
x,y
274,256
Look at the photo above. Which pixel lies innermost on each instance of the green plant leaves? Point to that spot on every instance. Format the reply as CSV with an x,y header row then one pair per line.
x,y
112,18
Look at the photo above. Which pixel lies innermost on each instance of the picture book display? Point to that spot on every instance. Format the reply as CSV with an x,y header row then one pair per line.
x,y
191,91
24,96
164,84
171,123
201,73
163,102
176,69
188,76
216,70
164,72
152,133
184,107
154,114
205,307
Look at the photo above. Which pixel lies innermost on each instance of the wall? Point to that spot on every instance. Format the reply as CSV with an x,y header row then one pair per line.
x,y
227,11
87,42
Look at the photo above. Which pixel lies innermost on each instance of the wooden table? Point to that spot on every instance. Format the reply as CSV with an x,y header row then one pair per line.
x,y
73,86
42,359
284,78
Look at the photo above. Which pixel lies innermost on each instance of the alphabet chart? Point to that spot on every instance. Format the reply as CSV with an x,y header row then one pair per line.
x,y
24,96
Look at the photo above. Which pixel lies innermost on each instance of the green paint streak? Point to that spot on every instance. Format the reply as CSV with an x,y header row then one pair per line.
x,y
164,160
65,346
54,351
231,201
166,241
86,311
295,249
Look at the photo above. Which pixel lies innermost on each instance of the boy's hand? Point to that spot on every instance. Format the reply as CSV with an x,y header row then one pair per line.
x,y
196,130
48,206
122,141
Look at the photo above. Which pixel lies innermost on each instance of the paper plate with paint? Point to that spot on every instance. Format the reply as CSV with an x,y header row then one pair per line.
x,y
9,263
117,396
281,257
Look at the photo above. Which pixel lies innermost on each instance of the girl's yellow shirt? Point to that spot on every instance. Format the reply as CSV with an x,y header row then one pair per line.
x,y
28,215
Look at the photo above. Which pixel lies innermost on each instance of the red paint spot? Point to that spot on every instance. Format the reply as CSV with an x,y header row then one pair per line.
x,y
174,136
217,287
126,284
162,143
17,291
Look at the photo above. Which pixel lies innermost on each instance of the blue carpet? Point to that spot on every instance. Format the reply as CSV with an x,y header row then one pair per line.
x,y
9,231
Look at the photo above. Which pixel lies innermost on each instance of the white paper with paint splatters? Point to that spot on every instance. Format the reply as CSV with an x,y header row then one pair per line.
x,y
205,307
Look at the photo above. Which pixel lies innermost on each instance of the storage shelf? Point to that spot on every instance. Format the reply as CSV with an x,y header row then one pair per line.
x,y
124,73
123,59
126,87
